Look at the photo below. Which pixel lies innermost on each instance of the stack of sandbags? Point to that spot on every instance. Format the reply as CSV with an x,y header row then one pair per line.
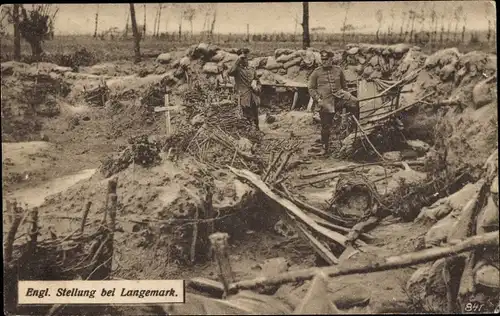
x,y
454,215
164,58
443,63
374,61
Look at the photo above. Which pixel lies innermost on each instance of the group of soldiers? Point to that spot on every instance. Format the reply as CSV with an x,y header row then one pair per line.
x,y
327,87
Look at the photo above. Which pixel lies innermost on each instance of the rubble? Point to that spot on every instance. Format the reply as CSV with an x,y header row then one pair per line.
x,y
445,231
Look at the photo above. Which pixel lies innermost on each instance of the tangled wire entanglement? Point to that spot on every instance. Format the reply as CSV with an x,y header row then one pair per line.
x,y
354,198
141,151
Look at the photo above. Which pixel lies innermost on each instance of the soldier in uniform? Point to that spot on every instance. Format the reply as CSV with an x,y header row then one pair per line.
x,y
246,87
327,86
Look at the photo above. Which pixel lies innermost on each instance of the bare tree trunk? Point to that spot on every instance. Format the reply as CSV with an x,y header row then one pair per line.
x,y
96,21
126,25
180,30
306,41
159,19
36,49
17,33
155,22
212,27
488,36
144,26
412,28
137,39
344,24
455,36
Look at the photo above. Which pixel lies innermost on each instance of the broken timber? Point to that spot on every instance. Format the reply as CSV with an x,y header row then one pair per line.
x,y
389,263
289,206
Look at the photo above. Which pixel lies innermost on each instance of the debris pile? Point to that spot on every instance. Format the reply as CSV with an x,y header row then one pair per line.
x,y
97,96
43,255
448,284
141,151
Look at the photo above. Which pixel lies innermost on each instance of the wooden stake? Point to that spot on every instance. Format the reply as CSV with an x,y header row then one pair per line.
x,y
167,115
219,243
295,98
310,104
11,236
85,214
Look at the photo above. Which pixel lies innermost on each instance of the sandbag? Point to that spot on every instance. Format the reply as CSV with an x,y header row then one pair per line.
x,y
185,61
361,60
219,56
481,94
438,233
293,71
211,68
232,50
359,69
293,62
286,57
191,50
317,58
400,48
487,219
230,58
352,51
308,59
367,71
489,276
374,61
446,73
164,58
301,52
282,51
442,57
257,62
272,64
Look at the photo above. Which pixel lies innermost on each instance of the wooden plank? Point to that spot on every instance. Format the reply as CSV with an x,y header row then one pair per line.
x,y
167,116
310,104
160,108
289,206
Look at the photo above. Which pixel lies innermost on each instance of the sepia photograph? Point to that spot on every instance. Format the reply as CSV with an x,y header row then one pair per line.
x,y
250,158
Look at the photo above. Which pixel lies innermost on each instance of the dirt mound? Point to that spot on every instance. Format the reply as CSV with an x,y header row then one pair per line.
x,y
452,217
160,201
29,93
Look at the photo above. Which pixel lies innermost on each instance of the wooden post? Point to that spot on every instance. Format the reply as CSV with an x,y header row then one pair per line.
x,y
113,199
85,214
165,108
11,236
167,115
310,104
295,98
220,246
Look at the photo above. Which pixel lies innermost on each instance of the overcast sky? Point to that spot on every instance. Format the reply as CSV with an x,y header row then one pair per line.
x,y
269,17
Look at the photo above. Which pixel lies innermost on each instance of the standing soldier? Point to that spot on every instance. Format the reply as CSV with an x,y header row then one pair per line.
x,y
246,87
327,87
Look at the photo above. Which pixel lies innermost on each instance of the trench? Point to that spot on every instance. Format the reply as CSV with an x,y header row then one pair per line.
x,y
251,227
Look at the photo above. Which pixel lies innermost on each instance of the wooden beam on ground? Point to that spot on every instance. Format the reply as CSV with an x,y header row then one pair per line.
x,y
491,239
289,206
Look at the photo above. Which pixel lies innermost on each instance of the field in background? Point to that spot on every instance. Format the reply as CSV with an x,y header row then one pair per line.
x,y
108,49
